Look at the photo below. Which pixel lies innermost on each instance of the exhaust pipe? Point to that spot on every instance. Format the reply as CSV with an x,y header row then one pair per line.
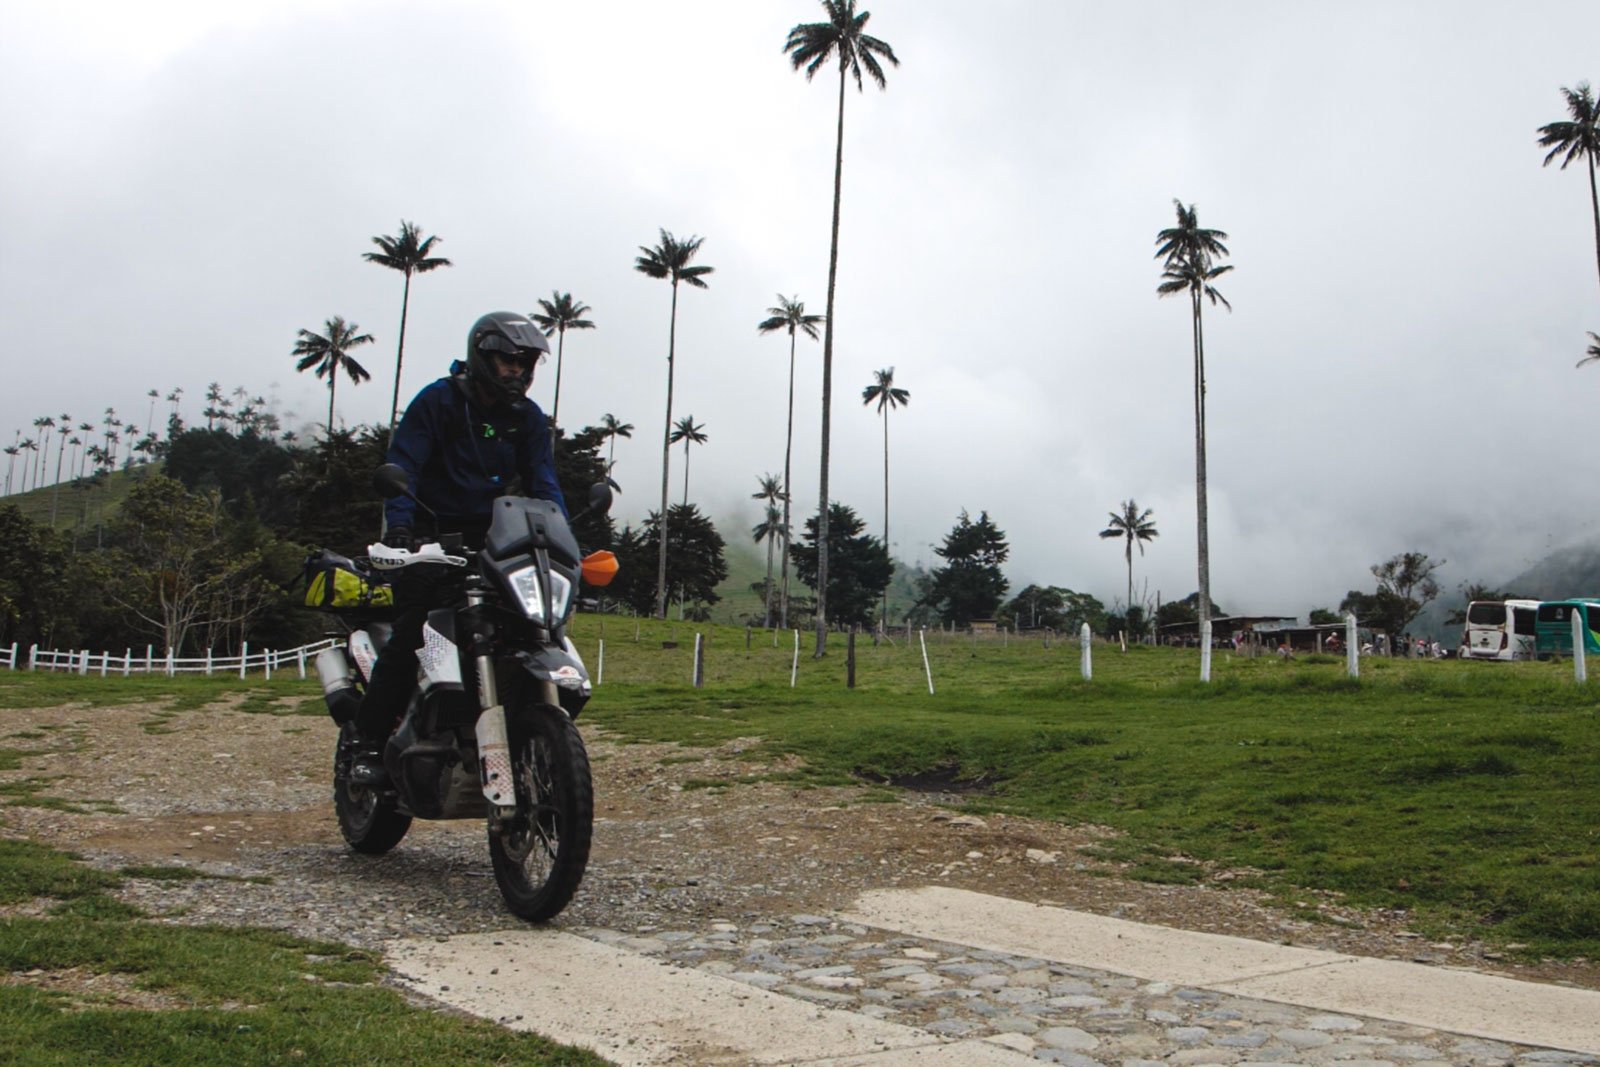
x,y
338,684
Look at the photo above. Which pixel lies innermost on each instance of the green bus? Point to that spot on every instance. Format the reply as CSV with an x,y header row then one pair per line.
x,y
1554,626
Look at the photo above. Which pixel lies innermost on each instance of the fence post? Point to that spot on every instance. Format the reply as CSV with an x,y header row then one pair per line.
x,y
1205,650
33,656
600,664
1086,639
300,659
171,666
922,638
244,657
1352,649
1580,665
850,660
83,662
149,658
794,667
105,663
13,663
699,661
127,662
266,664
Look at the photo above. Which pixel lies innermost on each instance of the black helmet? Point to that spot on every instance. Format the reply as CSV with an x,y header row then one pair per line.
x,y
511,334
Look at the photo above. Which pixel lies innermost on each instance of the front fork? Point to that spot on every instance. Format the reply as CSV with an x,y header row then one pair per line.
x,y
494,745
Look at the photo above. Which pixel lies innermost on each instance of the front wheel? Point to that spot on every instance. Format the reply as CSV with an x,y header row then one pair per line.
x,y
368,819
540,852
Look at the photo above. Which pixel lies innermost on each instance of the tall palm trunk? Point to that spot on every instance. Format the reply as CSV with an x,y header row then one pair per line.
x,y
333,385
1128,552
883,620
561,347
56,494
1204,547
827,384
770,539
666,459
685,472
788,448
399,358
1594,203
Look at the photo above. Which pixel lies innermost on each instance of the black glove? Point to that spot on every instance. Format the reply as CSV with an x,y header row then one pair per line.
x,y
399,537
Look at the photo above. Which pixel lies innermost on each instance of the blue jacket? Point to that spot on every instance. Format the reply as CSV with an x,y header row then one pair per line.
x,y
462,455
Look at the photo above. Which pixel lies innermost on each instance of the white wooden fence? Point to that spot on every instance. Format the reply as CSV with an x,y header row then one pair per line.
x,y
76,661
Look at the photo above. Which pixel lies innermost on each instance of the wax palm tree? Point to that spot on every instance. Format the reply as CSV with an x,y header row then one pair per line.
x,y
771,531
790,316
1190,253
44,424
1135,527
27,444
558,315
810,45
86,429
12,451
328,352
773,492
1578,137
888,397
670,260
1594,349
686,431
407,252
611,429
173,397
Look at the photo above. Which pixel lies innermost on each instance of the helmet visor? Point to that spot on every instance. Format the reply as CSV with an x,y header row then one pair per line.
x,y
506,350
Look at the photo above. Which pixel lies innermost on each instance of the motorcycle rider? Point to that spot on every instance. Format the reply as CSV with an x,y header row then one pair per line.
x,y
466,439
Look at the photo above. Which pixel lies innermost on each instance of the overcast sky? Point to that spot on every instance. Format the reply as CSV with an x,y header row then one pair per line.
x,y
189,183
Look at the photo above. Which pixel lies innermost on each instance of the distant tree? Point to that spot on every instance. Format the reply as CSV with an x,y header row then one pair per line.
x,y
1578,137
888,397
688,432
970,585
33,578
409,253
670,260
556,316
578,468
1134,527
789,315
809,46
1189,255
336,506
612,429
694,553
774,530
1053,607
328,351
860,567
1405,586
1323,616
248,471
770,530
12,451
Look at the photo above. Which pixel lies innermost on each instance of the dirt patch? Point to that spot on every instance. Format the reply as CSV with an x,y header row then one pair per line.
x,y
248,796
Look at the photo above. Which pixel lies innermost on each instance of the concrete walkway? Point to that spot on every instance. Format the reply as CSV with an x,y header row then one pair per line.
x,y
612,992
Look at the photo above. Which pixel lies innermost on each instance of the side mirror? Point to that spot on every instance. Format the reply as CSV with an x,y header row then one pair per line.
x,y
391,480
598,568
600,497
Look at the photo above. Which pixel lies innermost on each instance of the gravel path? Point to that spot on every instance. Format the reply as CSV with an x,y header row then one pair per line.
x,y
738,881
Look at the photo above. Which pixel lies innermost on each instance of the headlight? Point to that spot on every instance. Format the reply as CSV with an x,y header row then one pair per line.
x,y
525,583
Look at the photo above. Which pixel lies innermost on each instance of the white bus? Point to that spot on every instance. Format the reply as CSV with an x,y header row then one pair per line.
x,y
1500,629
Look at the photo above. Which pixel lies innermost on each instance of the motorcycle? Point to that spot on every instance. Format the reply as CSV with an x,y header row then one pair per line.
x,y
488,731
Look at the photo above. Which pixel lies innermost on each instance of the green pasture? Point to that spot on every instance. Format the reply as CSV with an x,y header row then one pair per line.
x,y
1465,793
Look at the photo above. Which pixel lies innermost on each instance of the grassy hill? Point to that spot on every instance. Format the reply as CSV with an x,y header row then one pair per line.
x,y
80,505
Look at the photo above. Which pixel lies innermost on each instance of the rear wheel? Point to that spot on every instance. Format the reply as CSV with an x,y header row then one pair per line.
x,y
540,852
367,817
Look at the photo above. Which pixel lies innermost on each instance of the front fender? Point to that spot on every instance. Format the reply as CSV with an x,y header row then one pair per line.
x,y
563,667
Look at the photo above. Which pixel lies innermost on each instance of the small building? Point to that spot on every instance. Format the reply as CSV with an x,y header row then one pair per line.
x,y
984,626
